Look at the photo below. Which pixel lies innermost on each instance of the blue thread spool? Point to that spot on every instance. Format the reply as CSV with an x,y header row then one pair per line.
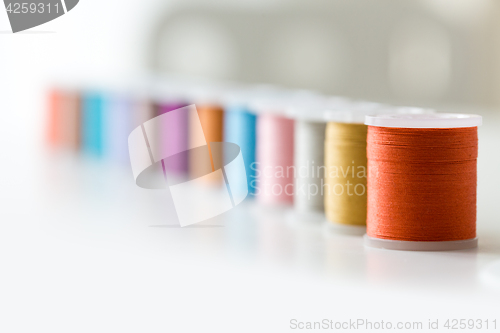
x,y
240,128
93,124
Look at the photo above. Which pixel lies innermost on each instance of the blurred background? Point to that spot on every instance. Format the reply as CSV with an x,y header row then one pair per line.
x,y
80,243
419,52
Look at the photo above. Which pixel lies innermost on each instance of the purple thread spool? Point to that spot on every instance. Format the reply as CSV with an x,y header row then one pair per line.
x,y
174,137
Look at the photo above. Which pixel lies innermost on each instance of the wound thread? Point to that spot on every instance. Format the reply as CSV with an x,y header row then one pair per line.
x,y
93,124
176,137
240,128
309,158
54,126
211,118
422,183
275,157
345,173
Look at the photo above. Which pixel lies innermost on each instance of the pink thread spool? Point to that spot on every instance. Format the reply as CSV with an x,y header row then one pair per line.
x,y
275,146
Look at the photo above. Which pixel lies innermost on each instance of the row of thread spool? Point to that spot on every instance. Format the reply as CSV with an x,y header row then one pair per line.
x,y
300,148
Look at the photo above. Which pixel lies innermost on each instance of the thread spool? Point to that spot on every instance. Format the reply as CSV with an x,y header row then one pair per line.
x,y
208,101
275,144
53,117
71,135
240,127
422,181
119,123
309,149
345,165
64,119
174,136
93,123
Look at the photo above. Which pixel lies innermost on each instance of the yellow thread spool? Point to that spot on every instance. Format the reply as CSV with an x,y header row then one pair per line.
x,y
345,174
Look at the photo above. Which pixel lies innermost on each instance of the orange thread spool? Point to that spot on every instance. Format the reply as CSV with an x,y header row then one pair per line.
x,y
422,180
212,119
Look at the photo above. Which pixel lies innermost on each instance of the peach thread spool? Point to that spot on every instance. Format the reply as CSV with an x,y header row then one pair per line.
x,y
422,181
54,102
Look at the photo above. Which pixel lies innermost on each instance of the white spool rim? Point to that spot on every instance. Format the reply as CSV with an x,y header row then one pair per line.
x,y
353,113
269,99
433,120
312,107
211,95
237,102
311,116
397,245
356,112
268,106
164,93
240,98
311,113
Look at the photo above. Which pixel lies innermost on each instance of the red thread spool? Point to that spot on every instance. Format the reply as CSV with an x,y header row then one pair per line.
x,y
422,179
